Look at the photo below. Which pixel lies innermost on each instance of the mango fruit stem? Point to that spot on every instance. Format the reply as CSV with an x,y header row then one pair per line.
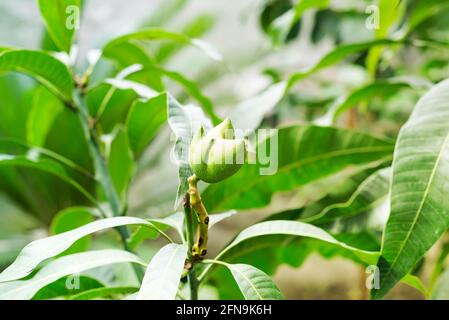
x,y
199,249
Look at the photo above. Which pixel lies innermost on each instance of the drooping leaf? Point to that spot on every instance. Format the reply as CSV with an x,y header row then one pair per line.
x,y
64,266
163,273
266,233
337,55
248,115
370,194
161,34
184,121
314,153
295,228
48,70
144,121
253,283
367,92
418,206
61,19
38,251
195,28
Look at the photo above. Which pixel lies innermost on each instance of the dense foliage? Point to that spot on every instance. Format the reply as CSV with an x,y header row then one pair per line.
x,y
359,140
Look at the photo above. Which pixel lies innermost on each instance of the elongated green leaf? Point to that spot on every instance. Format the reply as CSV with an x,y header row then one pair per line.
x,y
195,28
263,235
418,203
299,229
280,28
34,160
161,34
337,55
163,274
44,110
367,92
184,122
422,11
67,265
192,89
61,18
253,283
121,163
103,292
145,119
390,11
314,153
370,194
248,115
40,250
48,70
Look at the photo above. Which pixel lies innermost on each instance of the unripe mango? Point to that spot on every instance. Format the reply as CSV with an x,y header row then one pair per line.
x,y
216,155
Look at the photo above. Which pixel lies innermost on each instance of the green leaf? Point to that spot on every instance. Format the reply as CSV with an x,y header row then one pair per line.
x,y
103,292
415,282
313,153
253,283
120,163
337,55
161,34
418,205
44,110
281,26
184,121
60,19
371,193
145,120
34,159
367,92
192,89
70,219
195,28
390,11
40,250
249,114
64,266
48,70
163,274
165,12
295,228
59,288
269,233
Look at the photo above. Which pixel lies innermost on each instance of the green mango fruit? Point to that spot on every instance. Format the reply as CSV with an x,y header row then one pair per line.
x,y
216,155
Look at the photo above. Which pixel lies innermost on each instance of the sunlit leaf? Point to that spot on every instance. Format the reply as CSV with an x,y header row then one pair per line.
x,y
163,274
60,17
38,251
418,205
64,266
43,67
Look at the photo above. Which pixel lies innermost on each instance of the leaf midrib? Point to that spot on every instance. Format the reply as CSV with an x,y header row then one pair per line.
x,y
421,205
